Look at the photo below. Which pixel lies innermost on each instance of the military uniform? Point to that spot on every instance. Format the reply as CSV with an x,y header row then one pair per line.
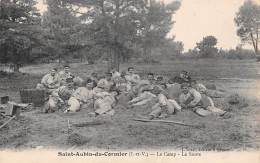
x,y
63,76
49,83
59,98
104,100
200,103
82,96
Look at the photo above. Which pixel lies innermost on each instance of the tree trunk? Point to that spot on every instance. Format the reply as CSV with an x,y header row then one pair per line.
x,y
16,67
255,45
115,59
147,53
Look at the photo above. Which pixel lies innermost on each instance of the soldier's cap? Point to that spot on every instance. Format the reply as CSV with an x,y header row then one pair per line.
x,y
69,80
54,69
159,78
184,72
66,66
89,81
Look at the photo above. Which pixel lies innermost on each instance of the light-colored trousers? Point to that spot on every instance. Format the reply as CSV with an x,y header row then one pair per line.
x,y
210,110
54,103
74,104
142,99
104,105
170,105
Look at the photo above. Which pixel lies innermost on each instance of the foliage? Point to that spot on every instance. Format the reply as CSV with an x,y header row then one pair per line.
x,y
156,24
63,28
248,23
19,32
207,47
124,28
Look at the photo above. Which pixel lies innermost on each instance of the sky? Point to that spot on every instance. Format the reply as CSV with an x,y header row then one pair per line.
x,y
199,18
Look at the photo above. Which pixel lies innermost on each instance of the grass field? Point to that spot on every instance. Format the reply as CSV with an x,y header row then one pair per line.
x,y
239,132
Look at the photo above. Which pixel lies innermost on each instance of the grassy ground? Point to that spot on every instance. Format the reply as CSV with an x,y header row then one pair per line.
x,y
239,132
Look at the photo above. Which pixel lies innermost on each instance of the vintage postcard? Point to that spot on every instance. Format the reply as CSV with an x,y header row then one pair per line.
x,y
129,80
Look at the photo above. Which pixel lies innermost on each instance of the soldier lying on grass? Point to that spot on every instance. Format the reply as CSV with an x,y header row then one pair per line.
x,y
199,103
83,96
164,106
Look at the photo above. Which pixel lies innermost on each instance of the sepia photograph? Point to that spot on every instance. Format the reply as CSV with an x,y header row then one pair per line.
x,y
156,79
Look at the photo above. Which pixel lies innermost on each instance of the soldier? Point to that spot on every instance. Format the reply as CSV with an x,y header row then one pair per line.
x,y
104,101
200,104
50,81
115,73
108,82
64,74
164,106
132,78
183,77
82,96
203,90
94,78
59,97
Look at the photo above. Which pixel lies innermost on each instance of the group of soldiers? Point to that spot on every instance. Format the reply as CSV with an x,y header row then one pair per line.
x,y
107,92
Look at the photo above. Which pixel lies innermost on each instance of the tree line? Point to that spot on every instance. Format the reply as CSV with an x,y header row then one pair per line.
x,y
112,29
115,30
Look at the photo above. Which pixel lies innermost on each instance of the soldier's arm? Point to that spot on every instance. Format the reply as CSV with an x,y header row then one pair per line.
x,y
196,100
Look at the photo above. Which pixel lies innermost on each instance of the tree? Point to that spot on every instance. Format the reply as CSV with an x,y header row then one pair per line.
x,y
172,48
248,23
122,27
156,24
18,31
63,28
112,25
207,47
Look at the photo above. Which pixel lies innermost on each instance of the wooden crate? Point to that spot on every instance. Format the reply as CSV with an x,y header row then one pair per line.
x,y
4,99
12,109
35,96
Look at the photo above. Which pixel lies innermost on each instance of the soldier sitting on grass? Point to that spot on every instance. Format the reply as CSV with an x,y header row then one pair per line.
x,y
104,100
50,81
64,74
132,78
59,97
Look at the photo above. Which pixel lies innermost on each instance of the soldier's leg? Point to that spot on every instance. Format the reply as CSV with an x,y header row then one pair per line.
x,y
143,102
216,110
102,106
201,111
74,105
136,100
157,110
174,104
53,104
